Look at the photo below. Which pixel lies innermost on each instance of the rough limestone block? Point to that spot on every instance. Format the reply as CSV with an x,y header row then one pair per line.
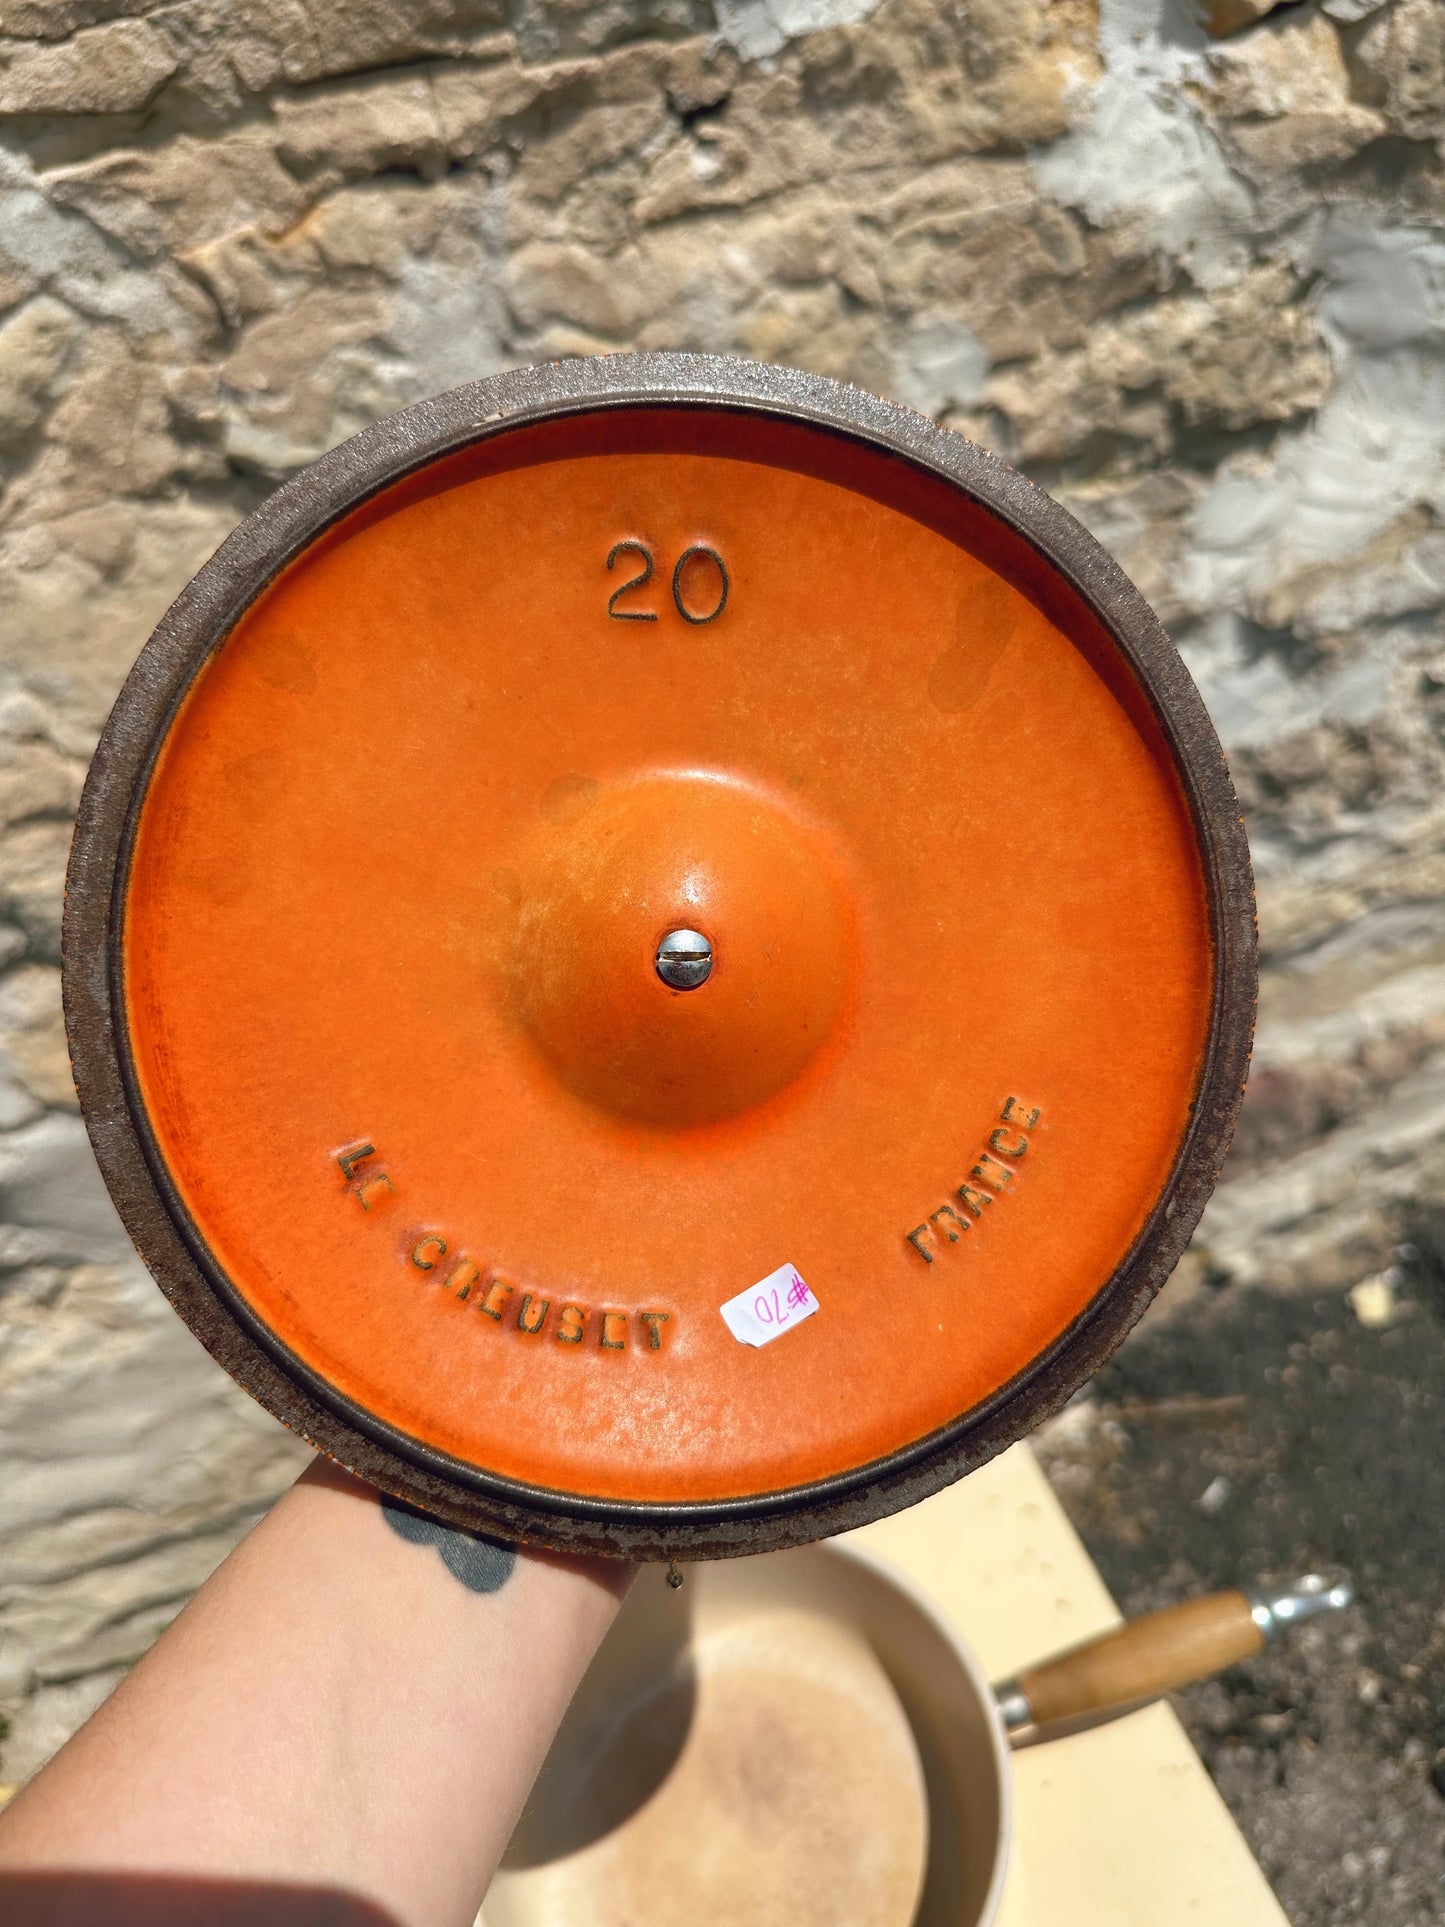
x,y
35,345
114,69
1231,16
1400,62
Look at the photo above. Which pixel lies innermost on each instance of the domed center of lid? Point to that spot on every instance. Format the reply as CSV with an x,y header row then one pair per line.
x,y
681,946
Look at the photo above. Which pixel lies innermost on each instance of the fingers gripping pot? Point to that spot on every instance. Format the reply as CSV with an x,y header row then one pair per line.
x,y
639,837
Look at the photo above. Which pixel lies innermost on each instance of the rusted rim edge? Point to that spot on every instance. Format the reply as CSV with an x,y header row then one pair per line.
x,y
205,612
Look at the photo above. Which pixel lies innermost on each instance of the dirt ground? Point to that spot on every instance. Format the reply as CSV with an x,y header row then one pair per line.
x,y
1251,1435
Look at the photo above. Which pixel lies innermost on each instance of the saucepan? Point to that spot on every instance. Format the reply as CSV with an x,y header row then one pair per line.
x,y
800,1737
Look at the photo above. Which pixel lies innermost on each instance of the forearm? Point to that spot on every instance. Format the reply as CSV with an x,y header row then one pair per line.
x,y
336,1708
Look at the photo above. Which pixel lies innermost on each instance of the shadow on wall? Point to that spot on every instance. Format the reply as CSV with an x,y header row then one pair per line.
x,y
160,1900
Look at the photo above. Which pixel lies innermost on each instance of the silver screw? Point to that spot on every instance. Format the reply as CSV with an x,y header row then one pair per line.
x,y
684,959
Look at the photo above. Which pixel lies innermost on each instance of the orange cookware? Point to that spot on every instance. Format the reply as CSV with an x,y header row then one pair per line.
x,y
660,955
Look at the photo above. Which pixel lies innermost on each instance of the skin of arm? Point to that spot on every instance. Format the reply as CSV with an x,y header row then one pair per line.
x,y
355,1703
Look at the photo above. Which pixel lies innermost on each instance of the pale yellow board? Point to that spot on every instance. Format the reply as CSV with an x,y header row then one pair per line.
x,y
1117,1827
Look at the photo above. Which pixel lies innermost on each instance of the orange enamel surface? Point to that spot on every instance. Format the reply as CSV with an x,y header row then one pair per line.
x,y
402,868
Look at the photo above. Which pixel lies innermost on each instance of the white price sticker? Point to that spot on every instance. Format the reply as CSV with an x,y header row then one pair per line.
x,y
769,1308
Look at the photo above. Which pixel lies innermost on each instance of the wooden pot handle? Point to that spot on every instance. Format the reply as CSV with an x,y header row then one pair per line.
x,y
1149,1656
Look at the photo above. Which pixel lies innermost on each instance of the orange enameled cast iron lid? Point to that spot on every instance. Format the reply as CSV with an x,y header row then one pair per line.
x,y
660,955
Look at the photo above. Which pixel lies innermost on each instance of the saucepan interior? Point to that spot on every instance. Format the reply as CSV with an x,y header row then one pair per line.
x,y
641,1685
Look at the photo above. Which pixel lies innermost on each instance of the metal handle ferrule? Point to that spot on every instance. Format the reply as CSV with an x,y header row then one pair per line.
x,y
1309,1596
1015,1714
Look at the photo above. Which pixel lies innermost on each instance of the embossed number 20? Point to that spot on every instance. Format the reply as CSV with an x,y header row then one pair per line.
x,y
699,554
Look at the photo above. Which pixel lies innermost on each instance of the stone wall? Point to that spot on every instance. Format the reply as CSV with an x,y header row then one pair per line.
x,y
1189,274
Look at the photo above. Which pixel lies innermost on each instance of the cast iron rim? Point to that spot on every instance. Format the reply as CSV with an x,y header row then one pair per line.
x,y
135,1174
